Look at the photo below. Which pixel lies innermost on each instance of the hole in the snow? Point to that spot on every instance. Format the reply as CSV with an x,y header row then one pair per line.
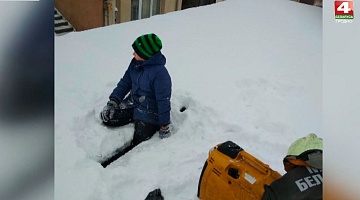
x,y
182,109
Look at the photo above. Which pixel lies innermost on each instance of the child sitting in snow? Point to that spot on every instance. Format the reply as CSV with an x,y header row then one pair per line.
x,y
146,85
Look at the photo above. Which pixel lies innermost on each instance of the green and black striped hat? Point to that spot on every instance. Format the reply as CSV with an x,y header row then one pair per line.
x,y
147,45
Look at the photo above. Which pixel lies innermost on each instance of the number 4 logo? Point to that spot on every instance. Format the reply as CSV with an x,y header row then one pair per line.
x,y
344,8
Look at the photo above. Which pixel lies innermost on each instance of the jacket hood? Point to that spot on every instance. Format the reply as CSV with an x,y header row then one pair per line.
x,y
315,159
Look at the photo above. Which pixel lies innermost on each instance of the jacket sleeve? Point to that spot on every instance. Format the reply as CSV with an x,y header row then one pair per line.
x,y
162,87
268,194
122,88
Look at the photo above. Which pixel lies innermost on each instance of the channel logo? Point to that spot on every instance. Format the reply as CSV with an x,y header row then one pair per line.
x,y
344,11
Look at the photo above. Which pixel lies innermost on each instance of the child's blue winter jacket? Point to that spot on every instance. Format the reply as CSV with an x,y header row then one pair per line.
x,y
150,85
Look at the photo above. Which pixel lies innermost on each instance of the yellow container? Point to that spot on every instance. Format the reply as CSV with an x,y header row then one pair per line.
x,y
230,173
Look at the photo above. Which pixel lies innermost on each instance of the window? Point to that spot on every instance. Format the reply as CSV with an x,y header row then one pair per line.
x,y
195,3
141,9
134,9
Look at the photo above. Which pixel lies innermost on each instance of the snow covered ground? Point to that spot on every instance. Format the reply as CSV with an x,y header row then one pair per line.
x,y
248,71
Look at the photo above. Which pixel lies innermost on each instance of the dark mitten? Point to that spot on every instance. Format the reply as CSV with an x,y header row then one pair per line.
x,y
108,111
164,133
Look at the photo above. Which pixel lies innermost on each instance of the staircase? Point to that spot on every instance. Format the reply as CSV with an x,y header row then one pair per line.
x,y
62,26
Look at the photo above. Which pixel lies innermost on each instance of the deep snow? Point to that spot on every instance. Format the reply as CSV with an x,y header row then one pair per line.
x,y
248,71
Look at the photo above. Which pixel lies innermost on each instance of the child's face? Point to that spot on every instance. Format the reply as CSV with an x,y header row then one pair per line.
x,y
137,57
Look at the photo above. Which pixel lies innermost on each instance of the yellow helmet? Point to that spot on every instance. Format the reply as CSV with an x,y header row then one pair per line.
x,y
310,142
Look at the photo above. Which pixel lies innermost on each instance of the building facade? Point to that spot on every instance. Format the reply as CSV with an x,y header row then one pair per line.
x,y
88,14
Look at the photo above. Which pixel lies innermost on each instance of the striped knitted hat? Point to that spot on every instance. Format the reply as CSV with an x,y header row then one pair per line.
x,y
147,45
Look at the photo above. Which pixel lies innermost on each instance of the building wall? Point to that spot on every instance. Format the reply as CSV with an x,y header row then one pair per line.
x,y
170,5
88,14
310,2
82,14
124,10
